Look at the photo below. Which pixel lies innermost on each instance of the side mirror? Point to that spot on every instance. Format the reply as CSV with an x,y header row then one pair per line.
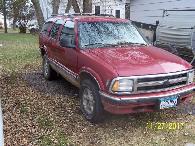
x,y
193,51
67,41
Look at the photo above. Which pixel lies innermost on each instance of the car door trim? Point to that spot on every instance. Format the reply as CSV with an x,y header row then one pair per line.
x,y
68,74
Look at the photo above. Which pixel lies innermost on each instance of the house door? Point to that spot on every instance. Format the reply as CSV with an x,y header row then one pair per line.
x,y
117,14
97,10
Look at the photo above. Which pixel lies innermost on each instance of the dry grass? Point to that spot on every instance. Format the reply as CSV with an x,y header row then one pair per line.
x,y
38,112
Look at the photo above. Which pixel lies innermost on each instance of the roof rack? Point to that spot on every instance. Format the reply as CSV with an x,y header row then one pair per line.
x,y
108,15
81,14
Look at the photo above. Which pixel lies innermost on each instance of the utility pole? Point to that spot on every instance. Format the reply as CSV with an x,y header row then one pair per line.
x,y
5,14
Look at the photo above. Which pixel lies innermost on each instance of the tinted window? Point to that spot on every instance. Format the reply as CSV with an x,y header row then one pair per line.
x,y
45,28
54,30
68,30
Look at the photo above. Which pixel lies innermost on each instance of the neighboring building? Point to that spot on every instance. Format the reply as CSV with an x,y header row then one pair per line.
x,y
152,10
1,21
118,8
145,13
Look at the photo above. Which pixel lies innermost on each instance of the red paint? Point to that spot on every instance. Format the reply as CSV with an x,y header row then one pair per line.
x,y
107,63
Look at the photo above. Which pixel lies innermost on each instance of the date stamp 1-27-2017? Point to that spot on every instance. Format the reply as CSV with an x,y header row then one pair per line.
x,y
165,125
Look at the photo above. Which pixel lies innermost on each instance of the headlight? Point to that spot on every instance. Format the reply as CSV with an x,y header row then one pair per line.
x,y
190,77
122,85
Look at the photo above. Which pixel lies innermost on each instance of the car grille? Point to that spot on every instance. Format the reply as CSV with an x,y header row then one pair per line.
x,y
160,82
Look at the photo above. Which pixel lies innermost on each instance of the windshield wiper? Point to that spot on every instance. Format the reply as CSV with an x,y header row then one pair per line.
x,y
131,43
94,44
101,45
140,44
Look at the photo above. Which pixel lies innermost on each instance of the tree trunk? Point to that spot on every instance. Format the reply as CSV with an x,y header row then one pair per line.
x,y
39,13
14,24
74,4
69,4
87,6
5,15
55,5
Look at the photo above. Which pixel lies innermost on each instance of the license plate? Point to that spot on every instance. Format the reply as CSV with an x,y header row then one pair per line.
x,y
168,102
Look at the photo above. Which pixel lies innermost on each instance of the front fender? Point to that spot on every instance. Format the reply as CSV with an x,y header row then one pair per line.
x,y
95,75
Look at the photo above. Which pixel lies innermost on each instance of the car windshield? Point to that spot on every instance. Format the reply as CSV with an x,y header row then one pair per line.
x,y
106,34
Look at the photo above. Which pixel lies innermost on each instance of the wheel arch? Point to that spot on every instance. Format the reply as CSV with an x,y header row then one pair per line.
x,y
89,74
43,50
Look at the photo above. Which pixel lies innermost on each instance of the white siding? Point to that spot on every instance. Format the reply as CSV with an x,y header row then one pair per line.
x,y
110,7
1,18
106,7
148,11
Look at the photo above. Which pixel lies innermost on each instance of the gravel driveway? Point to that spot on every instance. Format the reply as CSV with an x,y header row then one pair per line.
x,y
39,112
1,116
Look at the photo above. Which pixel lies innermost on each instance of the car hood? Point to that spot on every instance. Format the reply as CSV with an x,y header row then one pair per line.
x,y
140,60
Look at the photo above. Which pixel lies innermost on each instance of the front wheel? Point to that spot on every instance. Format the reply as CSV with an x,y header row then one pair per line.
x,y
90,101
48,72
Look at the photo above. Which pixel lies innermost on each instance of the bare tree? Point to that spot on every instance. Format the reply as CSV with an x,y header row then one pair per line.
x,y
74,4
5,14
16,7
39,13
87,6
55,5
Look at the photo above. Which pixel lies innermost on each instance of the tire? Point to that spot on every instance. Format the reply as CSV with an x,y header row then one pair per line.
x,y
90,102
48,72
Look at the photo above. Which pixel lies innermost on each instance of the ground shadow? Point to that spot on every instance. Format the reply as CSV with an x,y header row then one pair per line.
x,y
61,87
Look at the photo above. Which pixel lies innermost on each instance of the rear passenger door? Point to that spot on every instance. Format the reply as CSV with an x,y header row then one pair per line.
x,y
44,34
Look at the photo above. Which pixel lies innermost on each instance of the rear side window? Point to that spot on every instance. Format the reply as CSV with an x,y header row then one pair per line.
x,y
45,27
54,30
68,30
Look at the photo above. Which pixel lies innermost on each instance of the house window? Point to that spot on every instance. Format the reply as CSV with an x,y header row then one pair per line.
x,y
117,14
97,10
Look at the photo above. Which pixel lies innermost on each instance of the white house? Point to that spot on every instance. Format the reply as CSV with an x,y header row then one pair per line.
x,y
1,19
118,8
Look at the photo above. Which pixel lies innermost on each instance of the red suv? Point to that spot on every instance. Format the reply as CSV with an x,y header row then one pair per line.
x,y
113,65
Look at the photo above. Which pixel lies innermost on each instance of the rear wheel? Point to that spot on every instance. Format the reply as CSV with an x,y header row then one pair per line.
x,y
48,72
90,101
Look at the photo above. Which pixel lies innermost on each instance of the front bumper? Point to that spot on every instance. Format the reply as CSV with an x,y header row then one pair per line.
x,y
143,102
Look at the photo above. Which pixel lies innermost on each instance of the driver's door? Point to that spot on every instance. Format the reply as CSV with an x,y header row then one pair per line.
x,y
69,55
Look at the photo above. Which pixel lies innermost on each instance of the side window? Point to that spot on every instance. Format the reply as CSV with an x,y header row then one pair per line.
x,y
45,27
54,30
67,33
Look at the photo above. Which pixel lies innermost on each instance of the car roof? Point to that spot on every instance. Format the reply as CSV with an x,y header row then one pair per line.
x,y
105,18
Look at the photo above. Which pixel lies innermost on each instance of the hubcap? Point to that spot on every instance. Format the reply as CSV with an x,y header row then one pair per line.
x,y
88,101
46,68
